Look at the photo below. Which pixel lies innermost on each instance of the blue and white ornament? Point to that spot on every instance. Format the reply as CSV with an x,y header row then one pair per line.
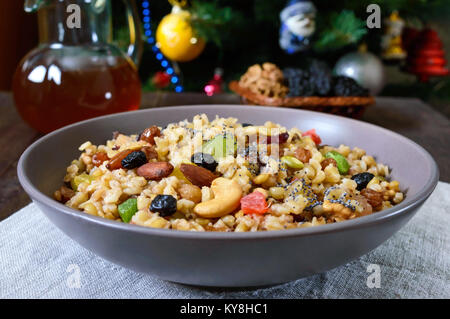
x,y
298,24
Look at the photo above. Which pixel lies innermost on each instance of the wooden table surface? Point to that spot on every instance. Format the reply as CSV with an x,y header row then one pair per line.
x,y
409,117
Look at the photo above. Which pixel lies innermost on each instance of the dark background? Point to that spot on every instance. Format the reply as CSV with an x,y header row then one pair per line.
x,y
252,39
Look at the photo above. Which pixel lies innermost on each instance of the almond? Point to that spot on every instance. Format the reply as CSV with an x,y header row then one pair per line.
x,y
197,175
116,161
155,170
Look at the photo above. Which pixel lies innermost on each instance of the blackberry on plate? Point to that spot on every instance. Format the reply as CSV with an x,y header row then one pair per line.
x,y
321,78
298,81
345,86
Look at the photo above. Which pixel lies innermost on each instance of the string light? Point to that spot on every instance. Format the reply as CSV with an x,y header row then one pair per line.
x,y
174,78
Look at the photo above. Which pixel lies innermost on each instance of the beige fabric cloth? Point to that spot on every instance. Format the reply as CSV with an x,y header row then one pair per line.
x,y
37,262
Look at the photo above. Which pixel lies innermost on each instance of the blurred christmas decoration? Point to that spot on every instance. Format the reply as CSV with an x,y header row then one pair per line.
x,y
364,67
426,58
298,24
331,31
161,80
176,37
391,42
182,34
340,30
169,69
214,86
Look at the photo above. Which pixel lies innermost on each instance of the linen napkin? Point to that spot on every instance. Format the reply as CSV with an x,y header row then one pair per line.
x,y
38,261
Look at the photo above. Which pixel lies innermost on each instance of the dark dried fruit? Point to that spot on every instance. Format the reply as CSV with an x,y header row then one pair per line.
x,y
320,77
134,159
374,198
66,193
150,152
165,205
298,81
345,86
116,161
149,134
99,158
362,179
246,124
204,160
327,162
282,138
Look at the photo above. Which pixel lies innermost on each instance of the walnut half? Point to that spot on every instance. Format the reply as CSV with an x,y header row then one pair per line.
x,y
266,80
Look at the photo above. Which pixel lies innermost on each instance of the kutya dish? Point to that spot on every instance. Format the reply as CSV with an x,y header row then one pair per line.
x,y
225,258
222,175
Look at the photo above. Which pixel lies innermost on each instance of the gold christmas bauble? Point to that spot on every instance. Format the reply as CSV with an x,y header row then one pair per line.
x,y
176,37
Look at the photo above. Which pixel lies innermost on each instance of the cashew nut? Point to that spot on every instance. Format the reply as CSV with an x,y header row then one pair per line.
x,y
227,194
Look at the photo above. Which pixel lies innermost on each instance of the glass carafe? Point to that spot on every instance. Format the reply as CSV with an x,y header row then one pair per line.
x,y
76,72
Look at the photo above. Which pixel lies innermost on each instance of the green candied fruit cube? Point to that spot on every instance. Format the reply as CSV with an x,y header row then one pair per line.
x,y
220,146
127,209
341,162
82,178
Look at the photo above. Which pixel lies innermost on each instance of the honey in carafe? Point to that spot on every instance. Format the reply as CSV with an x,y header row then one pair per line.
x,y
77,73
55,92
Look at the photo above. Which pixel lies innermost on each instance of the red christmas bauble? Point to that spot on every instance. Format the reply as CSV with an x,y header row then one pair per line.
x,y
214,86
161,79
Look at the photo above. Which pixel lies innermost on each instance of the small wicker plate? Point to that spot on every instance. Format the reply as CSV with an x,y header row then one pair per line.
x,y
351,106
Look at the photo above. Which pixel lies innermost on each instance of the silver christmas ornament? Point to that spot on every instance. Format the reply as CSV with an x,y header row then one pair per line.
x,y
365,68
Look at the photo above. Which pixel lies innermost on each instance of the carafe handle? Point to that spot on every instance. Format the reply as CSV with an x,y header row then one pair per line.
x,y
135,48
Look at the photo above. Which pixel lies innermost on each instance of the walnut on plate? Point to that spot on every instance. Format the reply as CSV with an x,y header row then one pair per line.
x,y
266,80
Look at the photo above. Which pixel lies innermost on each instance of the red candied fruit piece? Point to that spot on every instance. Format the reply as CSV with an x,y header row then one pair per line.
x,y
312,133
254,203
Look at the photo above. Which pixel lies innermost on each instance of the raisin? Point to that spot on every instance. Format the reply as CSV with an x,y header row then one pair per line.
x,y
204,160
374,198
327,162
165,205
246,124
149,134
134,159
303,154
150,152
362,179
282,138
116,161
66,193
99,158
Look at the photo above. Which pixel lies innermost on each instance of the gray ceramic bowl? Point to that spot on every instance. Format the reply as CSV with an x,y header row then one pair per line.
x,y
229,259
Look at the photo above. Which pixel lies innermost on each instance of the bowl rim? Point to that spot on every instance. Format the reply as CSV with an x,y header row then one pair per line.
x,y
363,221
